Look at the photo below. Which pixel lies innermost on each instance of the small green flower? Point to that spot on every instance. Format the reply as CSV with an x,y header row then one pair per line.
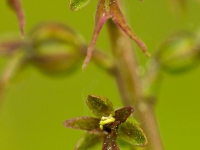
x,y
106,9
107,127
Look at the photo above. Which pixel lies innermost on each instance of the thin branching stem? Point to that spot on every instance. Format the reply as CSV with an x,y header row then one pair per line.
x,y
14,63
129,84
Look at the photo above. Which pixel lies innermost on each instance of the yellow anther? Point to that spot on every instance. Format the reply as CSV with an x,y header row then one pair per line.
x,y
106,120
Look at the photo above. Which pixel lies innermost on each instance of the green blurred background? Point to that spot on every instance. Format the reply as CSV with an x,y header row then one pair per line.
x,y
35,104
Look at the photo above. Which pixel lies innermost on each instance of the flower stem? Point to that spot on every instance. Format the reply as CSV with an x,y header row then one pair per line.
x,y
129,84
13,65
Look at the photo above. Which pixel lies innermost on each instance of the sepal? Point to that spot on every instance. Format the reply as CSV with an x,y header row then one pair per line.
x,y
83,123
75,5
100,106
132,133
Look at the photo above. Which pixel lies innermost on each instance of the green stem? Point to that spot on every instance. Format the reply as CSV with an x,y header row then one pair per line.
x,y
129,84
10,70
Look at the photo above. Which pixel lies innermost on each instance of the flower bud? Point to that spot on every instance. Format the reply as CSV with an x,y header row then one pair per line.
x,y
179,53
55,48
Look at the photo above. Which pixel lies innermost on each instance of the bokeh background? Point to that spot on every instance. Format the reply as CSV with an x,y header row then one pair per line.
x,y
36,104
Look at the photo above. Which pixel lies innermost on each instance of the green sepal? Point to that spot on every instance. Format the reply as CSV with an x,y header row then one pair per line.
x,y
83,123
100,106
132,133
75,5
89,140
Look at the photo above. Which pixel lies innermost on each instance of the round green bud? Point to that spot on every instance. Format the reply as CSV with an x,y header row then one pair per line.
x,y
55,48
179,52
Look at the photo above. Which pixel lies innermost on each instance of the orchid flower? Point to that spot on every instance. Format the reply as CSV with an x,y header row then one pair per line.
x,y
107,127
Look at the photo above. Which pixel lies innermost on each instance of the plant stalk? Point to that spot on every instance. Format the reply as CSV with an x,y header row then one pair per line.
x,y
130,85
13,65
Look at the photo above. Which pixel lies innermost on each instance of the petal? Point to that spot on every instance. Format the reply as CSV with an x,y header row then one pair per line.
x,y
100,106
88,141
16,6
131,133
75,5
118,18
83,123
100,19
123,113
109,142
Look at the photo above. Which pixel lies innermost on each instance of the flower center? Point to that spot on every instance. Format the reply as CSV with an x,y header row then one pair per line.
x,y
106,120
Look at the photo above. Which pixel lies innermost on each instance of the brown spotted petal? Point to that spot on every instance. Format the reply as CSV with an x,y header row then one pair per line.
x,y
100,106
123,113
109,142
83,123
89,141
132,133
118,18
100,18
16,6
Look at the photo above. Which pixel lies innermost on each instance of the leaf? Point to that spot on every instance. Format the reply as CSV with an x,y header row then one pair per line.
x,y
100,106
75,5
100,19
123,113
83,123
16,6
118,18
132,133
88,141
